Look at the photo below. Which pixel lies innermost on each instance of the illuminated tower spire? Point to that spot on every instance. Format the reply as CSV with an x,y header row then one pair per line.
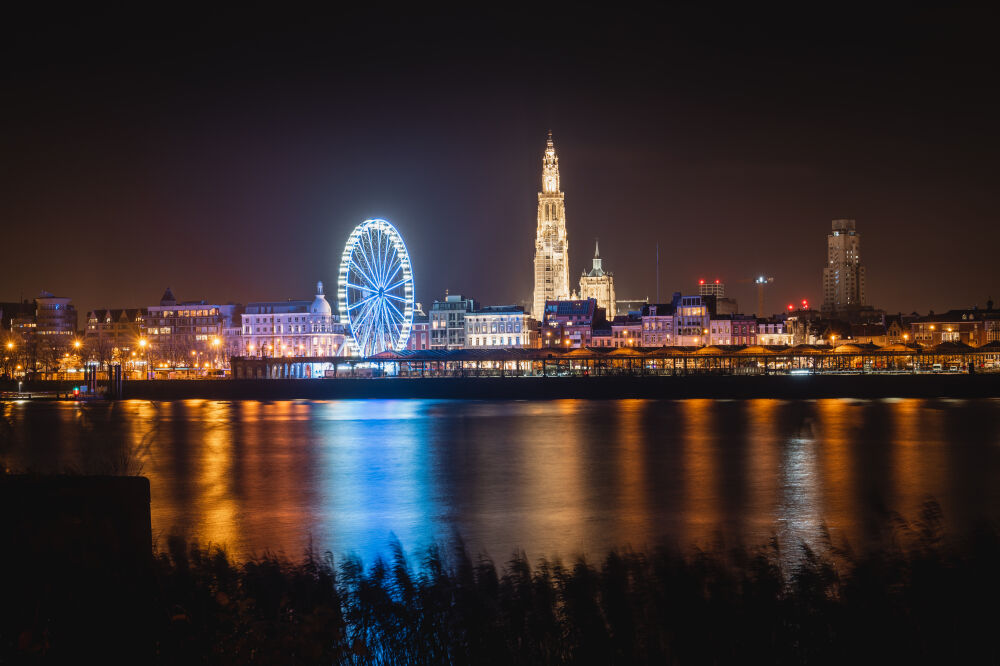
x,y
551,243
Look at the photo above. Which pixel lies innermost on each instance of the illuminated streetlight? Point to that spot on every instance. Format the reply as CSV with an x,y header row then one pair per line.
x,y
76,344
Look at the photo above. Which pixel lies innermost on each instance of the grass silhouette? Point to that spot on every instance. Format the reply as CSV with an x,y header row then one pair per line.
x,y
918,598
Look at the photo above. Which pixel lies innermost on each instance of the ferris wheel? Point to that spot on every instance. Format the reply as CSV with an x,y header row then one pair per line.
x,y
375,290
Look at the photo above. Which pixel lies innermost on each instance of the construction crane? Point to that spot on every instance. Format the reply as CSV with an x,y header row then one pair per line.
x,y
761,283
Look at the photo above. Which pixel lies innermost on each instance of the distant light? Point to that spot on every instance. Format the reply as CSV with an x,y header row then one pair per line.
x,y
701,282
791,307
716,282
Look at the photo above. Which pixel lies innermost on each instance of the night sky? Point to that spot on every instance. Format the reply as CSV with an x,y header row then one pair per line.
x,y
229,155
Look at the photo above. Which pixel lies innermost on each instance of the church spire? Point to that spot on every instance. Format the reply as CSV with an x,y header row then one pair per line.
x,y
550,168
597,249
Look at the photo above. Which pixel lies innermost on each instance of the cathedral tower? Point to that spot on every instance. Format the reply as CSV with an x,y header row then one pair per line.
x,y
551,243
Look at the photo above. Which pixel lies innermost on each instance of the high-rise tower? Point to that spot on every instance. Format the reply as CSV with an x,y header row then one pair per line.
x,y
551,243
843,276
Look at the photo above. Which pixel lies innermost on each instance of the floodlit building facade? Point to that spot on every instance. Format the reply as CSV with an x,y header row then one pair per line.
x,y
691,321
115,334
599,285
571,323
496,327
772,331
657,325
973,327
726,329
551,242
292,328
188,333
844,275
715,288
447,319
420,332
54,315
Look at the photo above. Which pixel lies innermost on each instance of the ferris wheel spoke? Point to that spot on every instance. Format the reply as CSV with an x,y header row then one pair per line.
x,y
361,270
383,258
375,247
367,275
368,313
369,255
399,267
380,326
361,302
395,297
393,305
400,283
362,325
358,286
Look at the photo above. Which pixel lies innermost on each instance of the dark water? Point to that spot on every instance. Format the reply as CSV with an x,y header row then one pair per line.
x,y
553,478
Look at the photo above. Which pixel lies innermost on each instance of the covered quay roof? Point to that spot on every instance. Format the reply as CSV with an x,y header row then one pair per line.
x,y
720,351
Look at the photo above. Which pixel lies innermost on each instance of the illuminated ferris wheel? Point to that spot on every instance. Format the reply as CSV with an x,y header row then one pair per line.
x,y
375,291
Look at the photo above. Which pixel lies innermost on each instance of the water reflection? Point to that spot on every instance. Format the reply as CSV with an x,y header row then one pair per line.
x,y
560,477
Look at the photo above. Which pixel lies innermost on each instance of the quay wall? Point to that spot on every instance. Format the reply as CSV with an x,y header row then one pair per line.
x,y
547,388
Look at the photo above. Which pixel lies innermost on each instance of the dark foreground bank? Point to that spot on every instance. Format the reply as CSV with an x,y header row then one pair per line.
x,y
547,388
85,591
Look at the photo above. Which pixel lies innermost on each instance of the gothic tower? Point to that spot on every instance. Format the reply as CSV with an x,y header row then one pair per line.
x,y
599,284
551,243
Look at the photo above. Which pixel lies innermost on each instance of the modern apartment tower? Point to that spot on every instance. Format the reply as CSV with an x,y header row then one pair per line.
x,y
843,276
551,243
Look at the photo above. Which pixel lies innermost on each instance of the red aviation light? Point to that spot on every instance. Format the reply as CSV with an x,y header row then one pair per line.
x,y
716,282
701,282
791,307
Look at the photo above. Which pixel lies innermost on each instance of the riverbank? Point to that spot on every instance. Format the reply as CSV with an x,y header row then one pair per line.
x,y
548,388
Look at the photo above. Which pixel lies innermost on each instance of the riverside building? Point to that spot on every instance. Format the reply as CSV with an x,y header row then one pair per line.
x,y
496,327
420,332
54,315
657,324
115,334
448,321
292,328
188,333
551,242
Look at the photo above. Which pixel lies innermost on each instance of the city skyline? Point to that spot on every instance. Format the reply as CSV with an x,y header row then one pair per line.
x,y
230,182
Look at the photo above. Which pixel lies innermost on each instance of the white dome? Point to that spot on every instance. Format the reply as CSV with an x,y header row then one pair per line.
x,y
320,304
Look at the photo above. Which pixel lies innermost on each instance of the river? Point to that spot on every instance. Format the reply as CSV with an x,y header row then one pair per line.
x,y
562,477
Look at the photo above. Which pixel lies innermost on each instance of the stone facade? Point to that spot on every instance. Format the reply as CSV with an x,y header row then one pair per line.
x,y
599,285
551,242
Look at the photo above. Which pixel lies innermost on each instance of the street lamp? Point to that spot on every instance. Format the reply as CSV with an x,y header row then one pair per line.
x,y
144,345
833,341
